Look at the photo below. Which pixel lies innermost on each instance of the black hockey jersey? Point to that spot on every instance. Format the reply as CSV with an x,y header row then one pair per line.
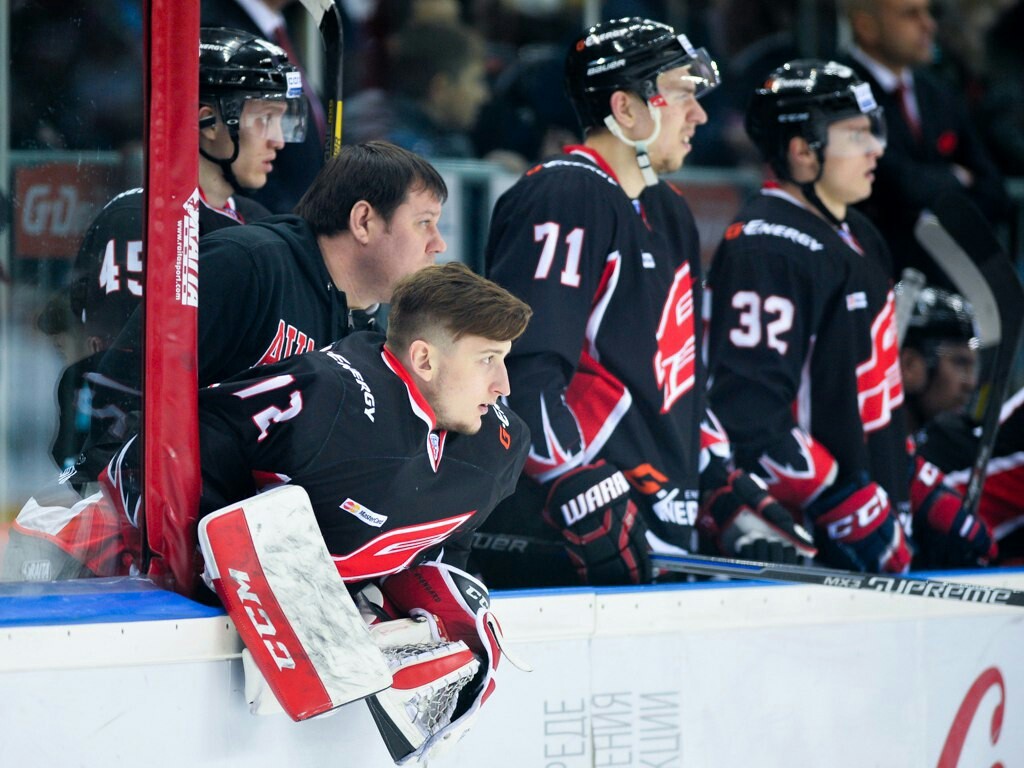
x,y
607,368
105,292
349,425
802,341
106,284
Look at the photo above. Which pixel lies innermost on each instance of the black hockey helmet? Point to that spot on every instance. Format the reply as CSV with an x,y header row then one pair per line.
x,y
106,280
802,98
628,55
237,66
940,316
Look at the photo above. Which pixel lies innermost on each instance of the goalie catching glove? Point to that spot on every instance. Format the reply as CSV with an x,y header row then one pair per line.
x,y
603,532
946,536
443,661
742,520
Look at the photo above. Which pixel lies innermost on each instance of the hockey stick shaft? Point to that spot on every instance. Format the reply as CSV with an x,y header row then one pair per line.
x,y
327,16
957,236
828,577
702,565
912,282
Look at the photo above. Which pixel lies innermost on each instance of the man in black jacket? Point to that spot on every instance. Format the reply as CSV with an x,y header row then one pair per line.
x,y
932,146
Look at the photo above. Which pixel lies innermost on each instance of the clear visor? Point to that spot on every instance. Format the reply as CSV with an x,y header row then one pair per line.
x,y
857,136
275,119
679,85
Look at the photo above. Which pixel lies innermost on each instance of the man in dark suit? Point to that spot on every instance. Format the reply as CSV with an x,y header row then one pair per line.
x,y
932,146
297,164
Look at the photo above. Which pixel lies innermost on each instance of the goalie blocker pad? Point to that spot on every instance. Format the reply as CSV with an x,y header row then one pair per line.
x,y
267,561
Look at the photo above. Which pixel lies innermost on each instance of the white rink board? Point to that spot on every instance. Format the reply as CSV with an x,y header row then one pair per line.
x,y
714,675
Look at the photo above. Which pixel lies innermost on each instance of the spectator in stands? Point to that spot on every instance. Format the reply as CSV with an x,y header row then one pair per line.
x,y
932,145
437,89
387,18
297,164
525,115
60,78
1002,106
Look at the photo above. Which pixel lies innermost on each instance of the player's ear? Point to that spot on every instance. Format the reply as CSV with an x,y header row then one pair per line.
x,y
803,161
422,359
207,122
359,221
624,107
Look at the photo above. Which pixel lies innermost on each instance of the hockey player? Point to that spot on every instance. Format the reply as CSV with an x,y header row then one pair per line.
x,y
939,356
608,376
939,360
399,446
250,104
802,344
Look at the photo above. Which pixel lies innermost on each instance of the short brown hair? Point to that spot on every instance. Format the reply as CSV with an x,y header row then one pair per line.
x,y
454,298
378,172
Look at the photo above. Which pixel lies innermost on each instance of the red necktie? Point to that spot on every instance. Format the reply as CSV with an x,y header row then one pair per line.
x,y
903,96
316,109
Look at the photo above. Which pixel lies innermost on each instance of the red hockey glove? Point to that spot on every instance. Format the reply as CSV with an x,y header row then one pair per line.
x,y
742,520
857,529
604,533
946,536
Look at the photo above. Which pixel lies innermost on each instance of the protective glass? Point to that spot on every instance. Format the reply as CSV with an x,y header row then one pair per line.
x,y
677,86
282,119
857,136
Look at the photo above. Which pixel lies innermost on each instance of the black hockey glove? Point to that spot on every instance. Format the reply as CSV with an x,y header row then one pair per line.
x,y
604,534
740,519
944,534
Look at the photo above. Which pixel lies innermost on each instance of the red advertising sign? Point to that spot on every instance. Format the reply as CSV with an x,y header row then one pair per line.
x,y
53,205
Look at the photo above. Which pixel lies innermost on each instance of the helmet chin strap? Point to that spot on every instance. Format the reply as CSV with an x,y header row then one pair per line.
x,y
225,164
643,159
812,194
